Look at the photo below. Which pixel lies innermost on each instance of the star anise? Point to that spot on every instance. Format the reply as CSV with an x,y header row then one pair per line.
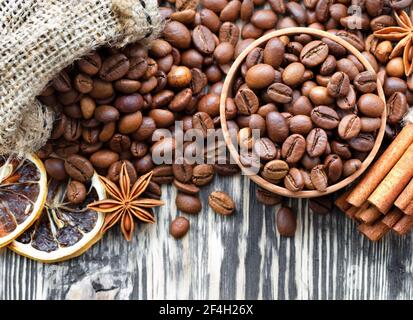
x,y
124,203
403,34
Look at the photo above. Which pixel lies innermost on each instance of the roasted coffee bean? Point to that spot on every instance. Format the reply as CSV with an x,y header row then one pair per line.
x,y
300,124
188,203
277,127
64,148
103,158
202,174
293,148
351,166
79,168
90,64
129,123
349,127
265,149
83,83
198,81
366,82
349,101
137,68
319,178
72,130
260,76
144,164
310,162
229,32
107,131
314,53
202,122
182,170
162,118
328,66
286,222
188,188
316,142
274,52
334,167
396,107
130,103
106,114
393,84
321,205
55,168
294,181
293,74
146,129
351,38
114,67
319,96
62,82
275,170
370,124
339,85
87,107
280,93
301,106
115,169
90,135
221,203
341,149
119,143
266,197
76,192
325,117
203,39
371,105
179,227
209,104
179,77
246,102
73,111
264,19
364,142
163,174
177,35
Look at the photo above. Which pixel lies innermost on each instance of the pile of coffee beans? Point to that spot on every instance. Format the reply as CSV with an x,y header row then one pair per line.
x,y
317,112
114,104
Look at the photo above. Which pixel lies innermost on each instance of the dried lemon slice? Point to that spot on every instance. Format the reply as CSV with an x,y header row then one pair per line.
x,y
64,230
23,189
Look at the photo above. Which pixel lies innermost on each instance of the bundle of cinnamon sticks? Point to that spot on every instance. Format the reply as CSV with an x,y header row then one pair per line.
x,y
383,199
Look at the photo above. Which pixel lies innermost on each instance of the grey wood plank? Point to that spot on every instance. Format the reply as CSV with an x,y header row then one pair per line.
x,y
238,257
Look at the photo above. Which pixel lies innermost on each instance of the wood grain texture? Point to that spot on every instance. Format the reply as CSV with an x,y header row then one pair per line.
x,y
238,257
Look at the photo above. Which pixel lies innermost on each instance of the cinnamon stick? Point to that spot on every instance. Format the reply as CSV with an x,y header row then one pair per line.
x,y
409,209
360,210
369,215
341,202
393,184
351,212
375,231
404,225
382,167
406,197
392,217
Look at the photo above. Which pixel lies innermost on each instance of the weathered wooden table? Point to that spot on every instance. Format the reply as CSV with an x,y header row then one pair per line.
x,y
238,257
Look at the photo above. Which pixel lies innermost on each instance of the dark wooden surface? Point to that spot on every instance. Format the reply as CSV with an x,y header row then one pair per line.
x,y
238,257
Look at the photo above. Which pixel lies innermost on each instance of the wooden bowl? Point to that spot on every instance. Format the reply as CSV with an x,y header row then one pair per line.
x,y
227,92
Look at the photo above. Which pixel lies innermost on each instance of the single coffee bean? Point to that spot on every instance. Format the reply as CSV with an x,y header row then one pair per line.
x,y
179,77
90,64
55,168
114,67
339,85
203,39
229,32
319,96
293,148
83,83
348,67
182,170
106,114
62,82
179,227
103,158
90,135
79,168
188,188
266,197
177,35
301,106
162,174
280,93
265,149
293,74
277,127
274,52
341,149
146,129
319,178
396,107
162,118
260,76
64,148
202,122
246,102
349,101
115,169
129,103
264,19
202,174
76,192
300,124
371,105
119,143
130,122
351,166
314,53
286,222
294,181
144,164
72,130
366,82
275,170
221,203
321,205
316,142
188,203
209,104
369,124
328,66
349,127
334,167
310,162
364,142
325,117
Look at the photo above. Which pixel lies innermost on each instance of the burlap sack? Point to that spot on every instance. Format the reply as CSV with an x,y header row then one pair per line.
x,y
38,38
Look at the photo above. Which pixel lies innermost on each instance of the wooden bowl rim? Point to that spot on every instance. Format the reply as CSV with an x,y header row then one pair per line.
x,y
227,87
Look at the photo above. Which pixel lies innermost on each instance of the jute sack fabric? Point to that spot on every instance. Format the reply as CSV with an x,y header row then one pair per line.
x,y
38,38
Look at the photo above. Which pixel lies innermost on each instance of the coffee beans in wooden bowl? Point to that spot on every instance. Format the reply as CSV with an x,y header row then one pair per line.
x,y
311,113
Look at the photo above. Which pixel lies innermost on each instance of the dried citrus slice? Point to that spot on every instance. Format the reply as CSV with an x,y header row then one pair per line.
x,y
23,189
64,230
